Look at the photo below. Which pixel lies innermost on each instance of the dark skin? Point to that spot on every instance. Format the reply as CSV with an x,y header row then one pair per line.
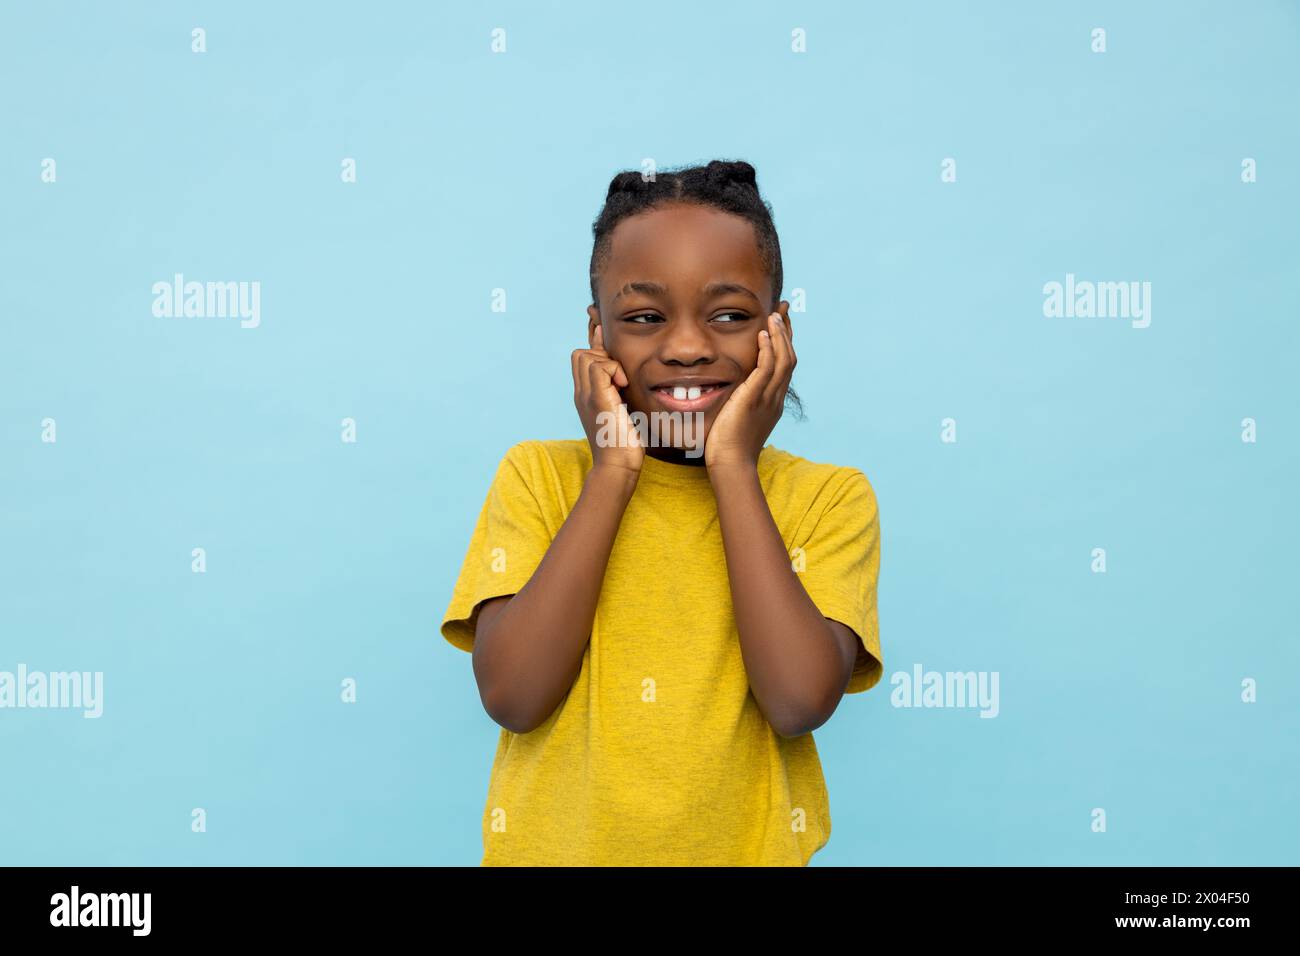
x,y
681,295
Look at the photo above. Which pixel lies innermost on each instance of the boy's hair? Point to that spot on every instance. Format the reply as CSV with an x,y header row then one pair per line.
x,y
729,186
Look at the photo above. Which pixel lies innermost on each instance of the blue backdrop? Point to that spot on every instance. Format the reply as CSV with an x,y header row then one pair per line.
x,y
932,167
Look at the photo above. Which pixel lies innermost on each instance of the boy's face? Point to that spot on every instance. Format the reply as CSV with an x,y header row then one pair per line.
x,y
683,297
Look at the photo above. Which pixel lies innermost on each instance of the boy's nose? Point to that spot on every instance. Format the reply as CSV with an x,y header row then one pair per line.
x,y
686,343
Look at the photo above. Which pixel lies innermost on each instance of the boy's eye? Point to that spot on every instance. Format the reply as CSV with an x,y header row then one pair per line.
x,y
645,318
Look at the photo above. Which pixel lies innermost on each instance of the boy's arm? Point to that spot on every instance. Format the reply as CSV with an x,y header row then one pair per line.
x,y
528,647
851,644
798,661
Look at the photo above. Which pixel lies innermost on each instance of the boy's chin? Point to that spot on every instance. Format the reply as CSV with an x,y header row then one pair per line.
x,y
689,456
681,435
691,448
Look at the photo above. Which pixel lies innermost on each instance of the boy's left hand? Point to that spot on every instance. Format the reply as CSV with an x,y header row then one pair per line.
x,y
753,409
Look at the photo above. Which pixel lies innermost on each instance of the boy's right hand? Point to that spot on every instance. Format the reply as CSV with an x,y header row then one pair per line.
x,y
596,381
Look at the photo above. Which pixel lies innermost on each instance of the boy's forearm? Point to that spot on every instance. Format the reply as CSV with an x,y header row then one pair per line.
x,y
532,651
789,650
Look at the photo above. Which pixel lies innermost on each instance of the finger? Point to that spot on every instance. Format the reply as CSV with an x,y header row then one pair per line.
x,y
613,370
584,360
603,376
794,358
618,376
789,339
762,374
783,359
597,378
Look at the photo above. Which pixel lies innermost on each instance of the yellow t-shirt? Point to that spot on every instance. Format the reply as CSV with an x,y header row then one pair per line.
x,y
659,754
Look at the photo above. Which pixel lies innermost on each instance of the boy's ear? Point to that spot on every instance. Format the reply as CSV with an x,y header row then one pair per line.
x,y
593,320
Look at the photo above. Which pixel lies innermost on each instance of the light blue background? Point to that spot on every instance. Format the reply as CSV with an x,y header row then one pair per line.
x,y
328,560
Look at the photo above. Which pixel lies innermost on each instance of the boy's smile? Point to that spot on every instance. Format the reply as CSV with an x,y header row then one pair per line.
x,y
683,296
690,394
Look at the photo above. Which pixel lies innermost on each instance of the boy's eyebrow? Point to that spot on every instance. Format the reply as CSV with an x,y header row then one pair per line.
x,y
645,288
710,290
724,288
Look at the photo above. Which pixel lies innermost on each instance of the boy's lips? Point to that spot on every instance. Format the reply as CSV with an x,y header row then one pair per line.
x,y
710,393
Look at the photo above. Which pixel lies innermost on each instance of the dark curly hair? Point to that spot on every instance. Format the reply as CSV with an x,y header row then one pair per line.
x,y
729,186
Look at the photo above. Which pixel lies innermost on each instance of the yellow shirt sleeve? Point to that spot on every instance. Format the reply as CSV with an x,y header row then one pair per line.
x,y
509,541
842,564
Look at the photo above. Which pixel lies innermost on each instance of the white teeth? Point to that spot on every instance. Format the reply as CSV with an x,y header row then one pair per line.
x,y
685,394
